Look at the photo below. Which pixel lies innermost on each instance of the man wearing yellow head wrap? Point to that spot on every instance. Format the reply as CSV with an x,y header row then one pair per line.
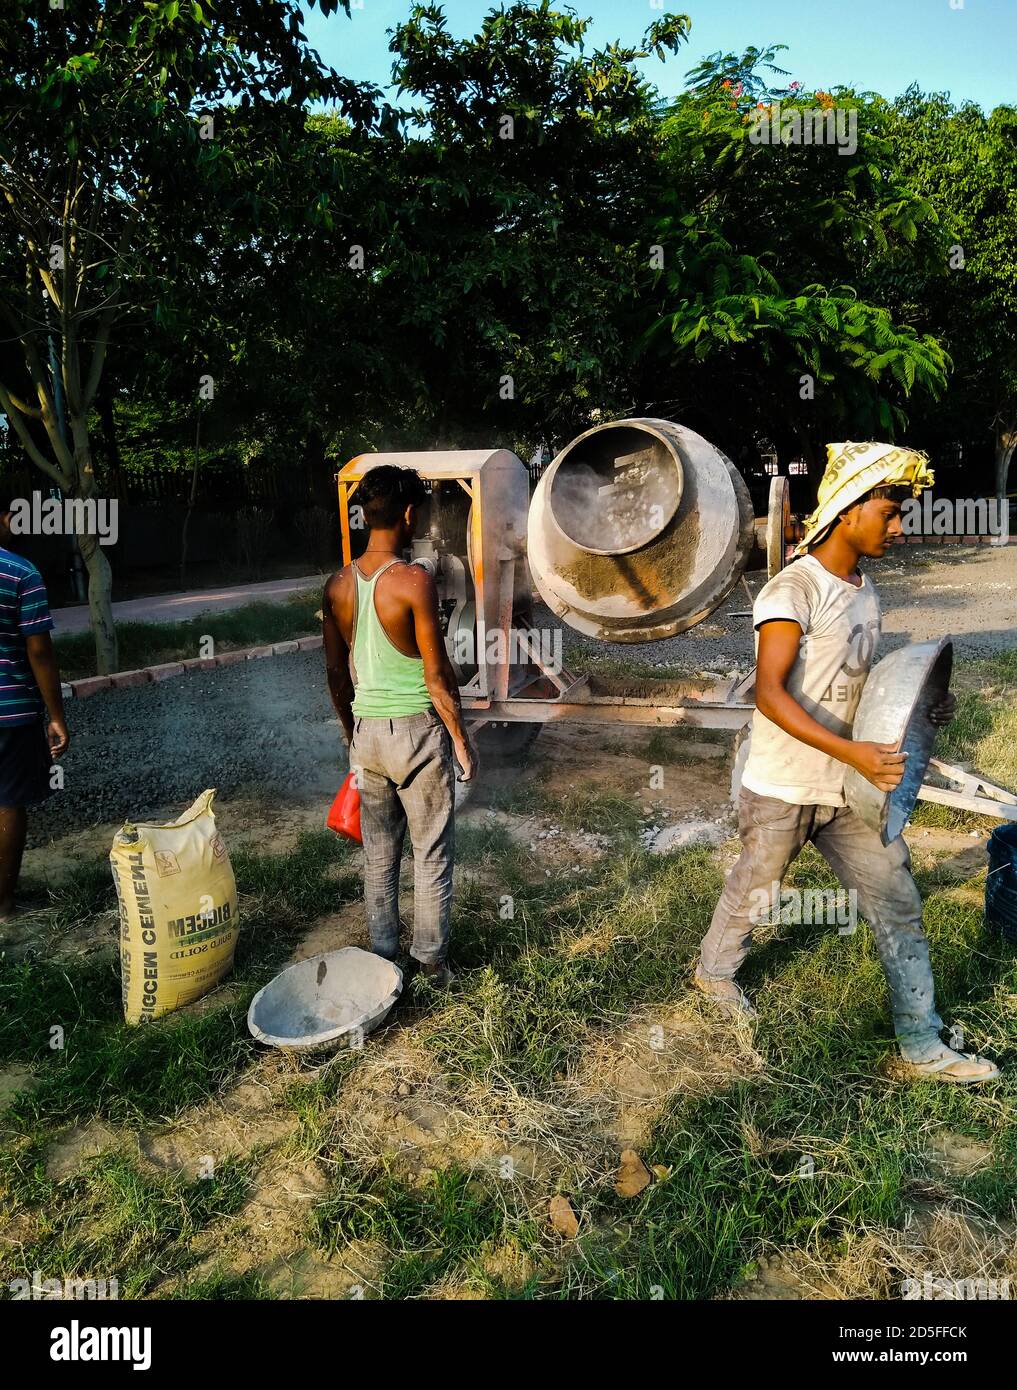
x,y
817,624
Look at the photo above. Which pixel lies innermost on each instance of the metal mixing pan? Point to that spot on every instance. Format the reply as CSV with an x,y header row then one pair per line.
x,y
894,708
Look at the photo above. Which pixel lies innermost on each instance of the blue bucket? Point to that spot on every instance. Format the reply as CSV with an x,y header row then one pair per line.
x,y
1001,884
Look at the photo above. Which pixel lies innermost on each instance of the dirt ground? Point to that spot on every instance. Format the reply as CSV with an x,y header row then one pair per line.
x,y
264,732
398,1104
567,759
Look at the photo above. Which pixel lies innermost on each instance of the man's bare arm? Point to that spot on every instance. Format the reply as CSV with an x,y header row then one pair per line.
x,y
337,661
440,678
42,659
778,650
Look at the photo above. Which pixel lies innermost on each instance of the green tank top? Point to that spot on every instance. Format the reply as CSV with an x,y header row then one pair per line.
x,y
388,683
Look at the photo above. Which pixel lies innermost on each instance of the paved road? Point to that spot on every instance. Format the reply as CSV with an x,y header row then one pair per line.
x,y
174,608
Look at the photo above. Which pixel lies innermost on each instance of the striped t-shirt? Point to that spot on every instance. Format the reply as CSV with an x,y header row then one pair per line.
x,y
24,610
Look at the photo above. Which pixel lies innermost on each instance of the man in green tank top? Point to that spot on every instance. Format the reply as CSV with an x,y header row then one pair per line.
x,y
397,698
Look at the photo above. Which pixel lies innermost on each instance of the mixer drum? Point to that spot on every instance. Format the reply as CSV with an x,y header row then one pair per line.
x,y
638,530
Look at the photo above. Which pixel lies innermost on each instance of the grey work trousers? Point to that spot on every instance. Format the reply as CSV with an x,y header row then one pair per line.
x,y
773,832
406,777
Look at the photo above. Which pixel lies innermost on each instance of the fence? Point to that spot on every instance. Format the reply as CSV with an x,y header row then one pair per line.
x,y
224,487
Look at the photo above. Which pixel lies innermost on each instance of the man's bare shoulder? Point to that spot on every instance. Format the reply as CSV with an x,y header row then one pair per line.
x,y
413,582
339,581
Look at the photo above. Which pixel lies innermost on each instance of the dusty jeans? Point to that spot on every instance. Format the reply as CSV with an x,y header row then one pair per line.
x,y
773,832
406,776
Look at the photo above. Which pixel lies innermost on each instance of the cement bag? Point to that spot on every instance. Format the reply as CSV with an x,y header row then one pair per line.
x,y
178,911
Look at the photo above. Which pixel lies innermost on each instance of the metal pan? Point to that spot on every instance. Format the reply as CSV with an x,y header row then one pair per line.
x,y
894,708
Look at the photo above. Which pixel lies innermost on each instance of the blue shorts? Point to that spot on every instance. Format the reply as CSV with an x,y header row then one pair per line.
x,y
25,764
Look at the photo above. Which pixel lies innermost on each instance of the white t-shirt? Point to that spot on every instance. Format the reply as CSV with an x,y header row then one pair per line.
x,y
840,623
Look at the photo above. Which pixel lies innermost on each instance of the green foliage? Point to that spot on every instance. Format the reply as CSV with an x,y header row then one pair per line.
x,y
531,236
964,163
760,290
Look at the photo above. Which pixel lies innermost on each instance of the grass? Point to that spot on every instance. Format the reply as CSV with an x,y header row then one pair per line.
x,y
574,809
672,745
116,1222
150,644
538,990
432,1229
982,736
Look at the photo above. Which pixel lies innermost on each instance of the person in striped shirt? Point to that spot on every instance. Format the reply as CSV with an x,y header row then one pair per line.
x,y
33,732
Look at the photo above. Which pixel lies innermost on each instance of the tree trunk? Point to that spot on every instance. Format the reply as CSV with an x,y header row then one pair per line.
x,y
100,576
190,504
1006,441
109,437
100,605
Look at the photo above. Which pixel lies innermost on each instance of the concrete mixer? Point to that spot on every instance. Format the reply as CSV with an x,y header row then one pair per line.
x,y
637,530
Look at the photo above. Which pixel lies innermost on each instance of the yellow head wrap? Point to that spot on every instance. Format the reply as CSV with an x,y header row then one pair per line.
x,y
851,471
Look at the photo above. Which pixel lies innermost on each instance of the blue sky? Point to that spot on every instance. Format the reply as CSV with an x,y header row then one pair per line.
x,y
878,45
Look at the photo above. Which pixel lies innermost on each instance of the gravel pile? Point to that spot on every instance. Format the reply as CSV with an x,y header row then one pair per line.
x,y
265,727
966,592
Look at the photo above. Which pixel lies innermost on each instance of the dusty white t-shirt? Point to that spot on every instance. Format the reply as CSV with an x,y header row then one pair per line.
x,y
840,624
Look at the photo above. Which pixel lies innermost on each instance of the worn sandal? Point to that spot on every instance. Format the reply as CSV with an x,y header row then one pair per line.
x,y
961,1068
730,998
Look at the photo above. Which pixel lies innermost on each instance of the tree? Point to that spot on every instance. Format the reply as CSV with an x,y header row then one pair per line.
x,y
114,144
768,256
965,163
510,254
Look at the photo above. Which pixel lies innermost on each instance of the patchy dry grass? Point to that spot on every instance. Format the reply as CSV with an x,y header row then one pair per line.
x,y
786,1161
147,644
983,735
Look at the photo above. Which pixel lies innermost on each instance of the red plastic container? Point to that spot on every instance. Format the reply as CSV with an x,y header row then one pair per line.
x,y
344,817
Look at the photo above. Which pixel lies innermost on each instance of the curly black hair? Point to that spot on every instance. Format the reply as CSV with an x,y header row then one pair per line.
x,y
894,492
386,491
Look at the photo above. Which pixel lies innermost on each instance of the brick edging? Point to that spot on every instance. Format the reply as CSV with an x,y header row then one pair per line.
x,y
147,675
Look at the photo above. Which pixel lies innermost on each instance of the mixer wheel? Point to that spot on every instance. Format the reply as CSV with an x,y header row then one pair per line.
x,y
504,744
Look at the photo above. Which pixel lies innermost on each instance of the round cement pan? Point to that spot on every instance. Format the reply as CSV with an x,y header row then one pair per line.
x,y
894,708
327,1000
